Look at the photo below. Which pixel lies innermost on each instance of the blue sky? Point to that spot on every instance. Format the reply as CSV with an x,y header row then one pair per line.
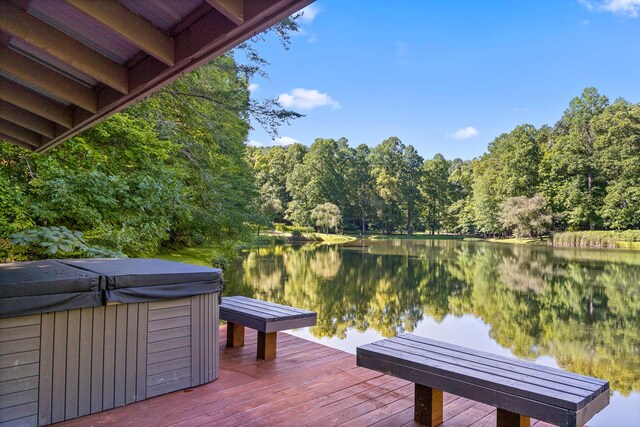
x,y
447,76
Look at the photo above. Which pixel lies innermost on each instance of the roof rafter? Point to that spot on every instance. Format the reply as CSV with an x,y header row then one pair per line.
x,y
232,9
37,104
134,28
48,80
20,133
64,47
27,120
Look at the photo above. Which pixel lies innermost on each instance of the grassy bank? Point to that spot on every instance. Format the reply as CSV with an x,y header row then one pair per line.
x,y
629,239
201,255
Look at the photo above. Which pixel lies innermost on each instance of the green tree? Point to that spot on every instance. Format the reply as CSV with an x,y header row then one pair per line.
x,y
485,201
327,216
436,192
460,216
387,163
410,176
319,179
571,163
360,187
617,141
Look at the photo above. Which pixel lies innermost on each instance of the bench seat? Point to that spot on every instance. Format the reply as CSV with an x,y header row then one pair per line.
x,y
266,317
519,389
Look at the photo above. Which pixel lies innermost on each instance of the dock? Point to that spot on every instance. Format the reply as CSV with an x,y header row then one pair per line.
x,y
307,384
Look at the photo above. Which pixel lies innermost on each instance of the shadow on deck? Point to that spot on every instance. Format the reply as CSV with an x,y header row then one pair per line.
x,y
307,384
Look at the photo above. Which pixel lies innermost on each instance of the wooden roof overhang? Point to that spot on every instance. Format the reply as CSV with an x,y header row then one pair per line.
x,y
65,65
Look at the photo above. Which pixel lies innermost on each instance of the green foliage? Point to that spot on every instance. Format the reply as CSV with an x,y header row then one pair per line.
x,y
220,261
55,242
436,192
387,162
284,228
320,178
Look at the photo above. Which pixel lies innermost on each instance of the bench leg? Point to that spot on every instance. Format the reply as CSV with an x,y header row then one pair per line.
x,y
428,405
267,345
511,419
235,335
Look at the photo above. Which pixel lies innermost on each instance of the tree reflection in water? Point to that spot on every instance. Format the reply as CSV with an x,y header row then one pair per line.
x,y
581,307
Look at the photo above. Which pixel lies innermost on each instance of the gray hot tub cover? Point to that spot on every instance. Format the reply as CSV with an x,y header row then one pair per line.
x,y
44,286
55,285
140,279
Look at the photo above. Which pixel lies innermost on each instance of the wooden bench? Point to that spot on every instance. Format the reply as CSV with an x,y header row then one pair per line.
x,y
518,389
266,317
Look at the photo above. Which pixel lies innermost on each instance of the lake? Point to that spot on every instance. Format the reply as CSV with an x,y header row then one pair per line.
x,y
577,309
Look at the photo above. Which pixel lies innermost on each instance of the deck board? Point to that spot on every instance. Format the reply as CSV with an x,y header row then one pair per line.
x,y
307,384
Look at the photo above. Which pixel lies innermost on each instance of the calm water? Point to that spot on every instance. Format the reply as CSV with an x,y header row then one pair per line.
x,y
571,308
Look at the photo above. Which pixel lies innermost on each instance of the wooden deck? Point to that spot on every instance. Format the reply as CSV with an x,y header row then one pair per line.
x,y
307,384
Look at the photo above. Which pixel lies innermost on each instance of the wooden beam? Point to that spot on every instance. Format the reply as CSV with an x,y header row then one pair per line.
x,y
28,100
48,80
16,141
67,49
20,133
232,9
26,119
133,27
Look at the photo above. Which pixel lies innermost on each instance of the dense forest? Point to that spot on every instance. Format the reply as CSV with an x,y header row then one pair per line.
x,y
174,170
581,174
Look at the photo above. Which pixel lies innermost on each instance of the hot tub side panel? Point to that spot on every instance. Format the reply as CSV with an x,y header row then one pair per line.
x,y
19,368
62,365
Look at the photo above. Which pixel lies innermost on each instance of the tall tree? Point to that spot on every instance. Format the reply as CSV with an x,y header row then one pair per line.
x,y
436,192
318,179
617,141
460,216
411,173
387,163
360,187
571,162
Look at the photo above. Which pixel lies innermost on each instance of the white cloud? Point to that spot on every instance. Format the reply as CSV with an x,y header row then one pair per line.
x,y
307,99
464,133
284,140
630,8
254,87
254,143
587,3
309,13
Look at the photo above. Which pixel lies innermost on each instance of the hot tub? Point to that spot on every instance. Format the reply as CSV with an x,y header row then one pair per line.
x,y
82,336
